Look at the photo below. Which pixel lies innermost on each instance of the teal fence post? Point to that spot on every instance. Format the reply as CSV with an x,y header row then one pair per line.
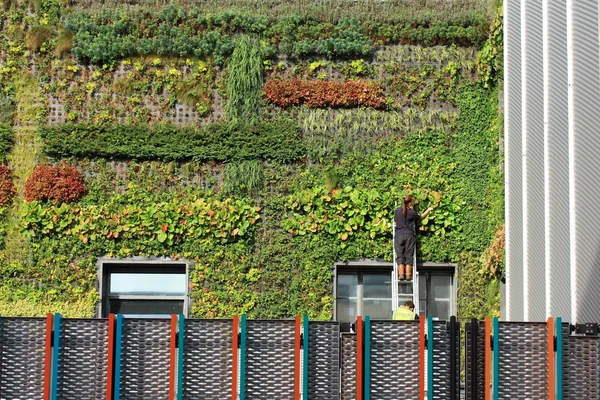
x,y
55,357
496,359
430,358
367,357
558,359
180,353
306,359
243,359
118,342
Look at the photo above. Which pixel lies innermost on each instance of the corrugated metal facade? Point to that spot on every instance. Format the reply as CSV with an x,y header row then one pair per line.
x,y
552,115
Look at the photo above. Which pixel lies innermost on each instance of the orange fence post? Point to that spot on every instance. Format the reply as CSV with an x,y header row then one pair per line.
x,y
359,358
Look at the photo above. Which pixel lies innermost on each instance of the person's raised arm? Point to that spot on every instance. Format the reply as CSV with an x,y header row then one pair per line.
x,y
430,209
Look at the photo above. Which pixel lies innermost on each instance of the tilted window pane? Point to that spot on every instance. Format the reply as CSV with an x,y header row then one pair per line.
x,y
347,285
440,286
148,284
377,285
378,309
346,310
439,309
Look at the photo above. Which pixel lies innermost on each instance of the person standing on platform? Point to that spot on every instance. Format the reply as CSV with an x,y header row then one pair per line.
x,y
405,238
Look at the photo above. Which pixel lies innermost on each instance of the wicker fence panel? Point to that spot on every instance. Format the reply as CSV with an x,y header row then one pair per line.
x,y
324,360
270,359
581,366
208,359
83,366
395,359
22,355
523,360
145,359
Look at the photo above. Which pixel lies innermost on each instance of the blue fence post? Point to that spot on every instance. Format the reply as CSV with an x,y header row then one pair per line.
x,y
430,358
496,359
305,358
180,353
118,345
55,357
243,358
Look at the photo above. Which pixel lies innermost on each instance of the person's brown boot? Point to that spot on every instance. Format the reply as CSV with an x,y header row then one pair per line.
x,y
401,272
409,272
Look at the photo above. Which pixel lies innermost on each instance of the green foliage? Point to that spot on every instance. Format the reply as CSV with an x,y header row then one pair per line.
x,y
279,140
477,175
244,83
7,109
147,219
490,58
111,34
6,140
37,35
412,11
294,217
242,177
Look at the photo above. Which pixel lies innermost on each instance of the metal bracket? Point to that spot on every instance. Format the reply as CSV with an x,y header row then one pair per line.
x,y
587,329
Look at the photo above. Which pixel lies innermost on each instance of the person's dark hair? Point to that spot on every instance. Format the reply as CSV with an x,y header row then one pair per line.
x,y
407,201
409,304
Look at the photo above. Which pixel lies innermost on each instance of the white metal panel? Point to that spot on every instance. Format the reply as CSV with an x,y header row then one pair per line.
x,y
533,161
584,159
556,161
513,160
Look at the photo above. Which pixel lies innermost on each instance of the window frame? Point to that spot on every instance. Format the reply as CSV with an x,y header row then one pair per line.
x,y
362,266
107,265
429,267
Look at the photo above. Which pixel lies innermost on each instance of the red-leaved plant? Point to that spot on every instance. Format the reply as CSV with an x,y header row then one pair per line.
x,y
62,183
7,187
322,93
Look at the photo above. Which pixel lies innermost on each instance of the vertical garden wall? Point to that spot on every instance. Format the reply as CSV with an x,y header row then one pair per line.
x,y
262,143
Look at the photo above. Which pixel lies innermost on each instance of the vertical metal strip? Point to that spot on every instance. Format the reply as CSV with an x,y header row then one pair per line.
x,y
297,342
453,363
367,356
234,350
110,373
306,358
422,340
243,360
430,358
474,347
48,359
550,345
559,359
359,358
496,333
173,357
55,357
487,365
180,354
118,345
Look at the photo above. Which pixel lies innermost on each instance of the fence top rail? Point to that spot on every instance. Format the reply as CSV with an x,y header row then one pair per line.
x,y
23,318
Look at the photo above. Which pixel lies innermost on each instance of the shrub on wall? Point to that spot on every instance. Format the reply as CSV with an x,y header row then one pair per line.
x,y
321,93
62,183
278,140
6,140
7,187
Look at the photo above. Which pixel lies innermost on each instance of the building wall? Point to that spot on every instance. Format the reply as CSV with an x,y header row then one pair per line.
x,y
552,88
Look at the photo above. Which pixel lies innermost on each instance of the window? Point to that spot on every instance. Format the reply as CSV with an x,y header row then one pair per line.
x,y
364,293
365,288
149,288
436,293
